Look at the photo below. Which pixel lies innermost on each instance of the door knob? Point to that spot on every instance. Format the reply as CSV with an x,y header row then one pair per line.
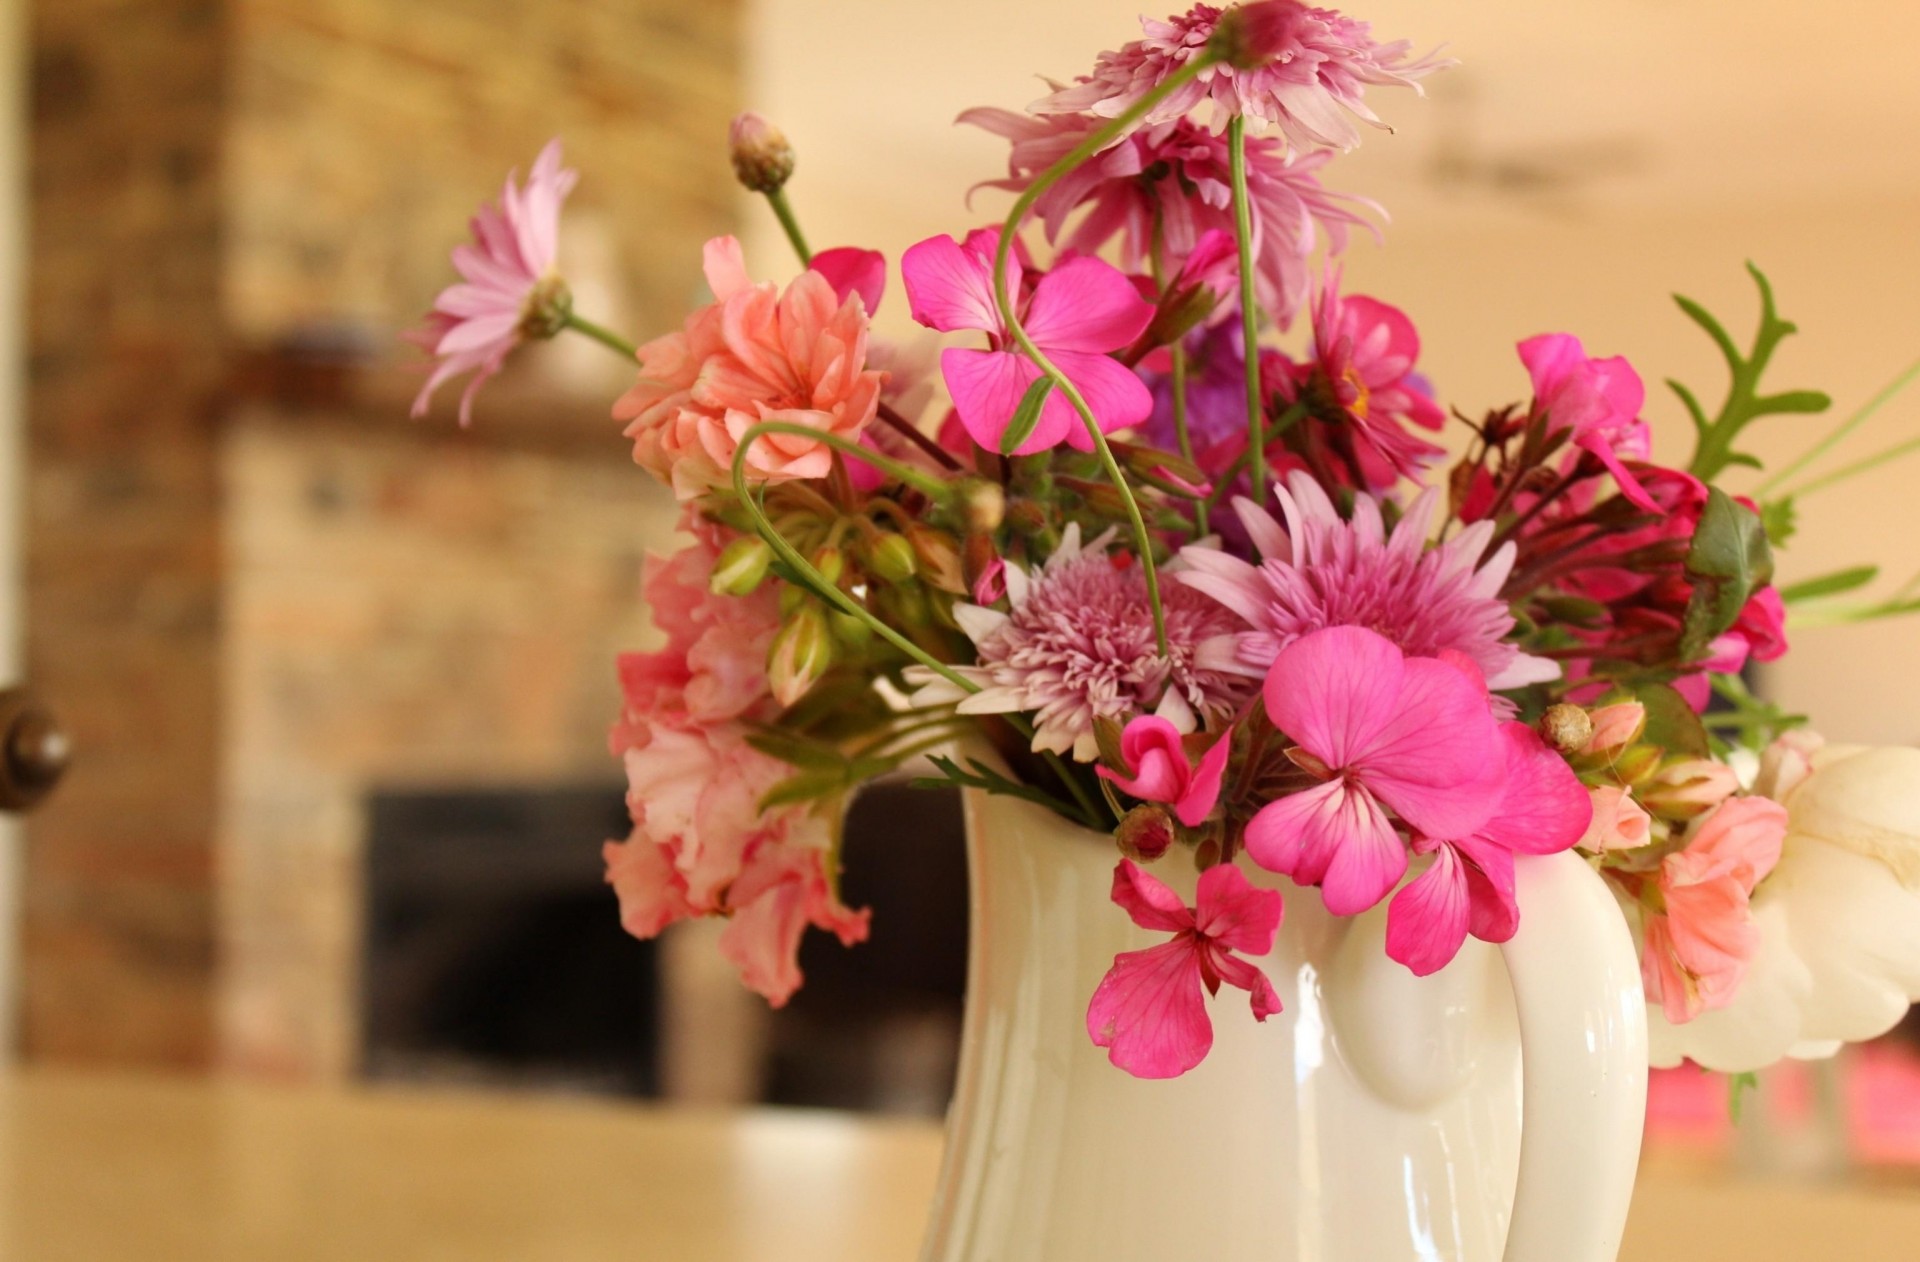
x,y
34,751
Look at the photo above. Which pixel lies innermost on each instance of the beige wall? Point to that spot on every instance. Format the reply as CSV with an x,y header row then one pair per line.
x,y
1693,172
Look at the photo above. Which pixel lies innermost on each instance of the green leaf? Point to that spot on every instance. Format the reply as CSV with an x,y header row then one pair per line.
x,y
1781,519
808,786
1671,722
1026,416
1831,584
1728,562
1744,403
987,780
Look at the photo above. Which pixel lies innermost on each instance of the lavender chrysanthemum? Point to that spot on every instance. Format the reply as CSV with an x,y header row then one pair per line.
x,y
1078,645
1311,90
1322,571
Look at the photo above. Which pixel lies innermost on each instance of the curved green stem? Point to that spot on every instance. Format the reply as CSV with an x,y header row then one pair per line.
x,y
925,483
1143,542
601,334
1249,312
1821,448
783,211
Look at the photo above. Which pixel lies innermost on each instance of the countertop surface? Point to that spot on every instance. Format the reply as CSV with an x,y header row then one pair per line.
x,y
100,1168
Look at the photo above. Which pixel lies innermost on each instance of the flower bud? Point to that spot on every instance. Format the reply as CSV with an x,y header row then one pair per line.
x,y
802,651
1690,788
983,505
831,563
1248,36
545,312
741,567
1567,728
1144,834
891,557
938,558
762,158
849,632
1616,726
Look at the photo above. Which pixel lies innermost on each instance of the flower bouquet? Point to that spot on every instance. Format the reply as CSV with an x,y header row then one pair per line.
x,y
1187,564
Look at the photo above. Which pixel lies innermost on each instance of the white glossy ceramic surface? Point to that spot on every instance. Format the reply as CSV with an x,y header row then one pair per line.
x,y
1378,1118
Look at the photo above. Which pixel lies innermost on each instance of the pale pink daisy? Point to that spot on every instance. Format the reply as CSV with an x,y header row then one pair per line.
x,y
1173,179
1311,84
1078,646
1323,571
1148,1011
509,277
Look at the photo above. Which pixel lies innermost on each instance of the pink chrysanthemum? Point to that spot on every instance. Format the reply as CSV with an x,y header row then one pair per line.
x,y
1078,645
474,325
1322,571
1311,90
1174,179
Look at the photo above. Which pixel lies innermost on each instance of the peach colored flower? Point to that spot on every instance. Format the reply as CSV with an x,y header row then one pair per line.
x,y
1619,822
754,354
1617,726
1698,944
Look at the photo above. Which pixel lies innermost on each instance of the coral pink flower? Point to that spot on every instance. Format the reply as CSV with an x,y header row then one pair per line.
x,y
473,325
1362,374
1408,734
701,845
1616,726
1147,1011
1165,187
1077,645
1618,822
1322,571
1311,86
1698,945
1469,887
1159,770
1077,313
1598,399
755,354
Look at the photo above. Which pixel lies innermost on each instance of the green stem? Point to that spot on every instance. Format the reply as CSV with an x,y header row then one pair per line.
x,y
603,335
1009,317
1249,313
1180,432
1821,448
925,483
1857,467
782,211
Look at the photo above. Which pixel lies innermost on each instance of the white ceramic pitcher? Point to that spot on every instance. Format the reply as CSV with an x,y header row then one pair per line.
x,y
1378,1118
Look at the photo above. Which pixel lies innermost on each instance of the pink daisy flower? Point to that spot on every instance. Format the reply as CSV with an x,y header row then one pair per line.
x,y
1322,571
1177,173
1311,87
508,274
1078,645
1388,732
1148,1012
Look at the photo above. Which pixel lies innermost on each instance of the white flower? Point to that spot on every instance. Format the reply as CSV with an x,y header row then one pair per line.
x,y
1839,918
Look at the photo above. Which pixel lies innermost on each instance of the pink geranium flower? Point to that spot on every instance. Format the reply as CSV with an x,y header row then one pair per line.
x,y
851,270
1697,947
475,324
1469,887
1167,186
1317,65
1599,400
1361,377
1159,769
1322,571
1390,732
755,354
1077,313
1147,1011
1618,822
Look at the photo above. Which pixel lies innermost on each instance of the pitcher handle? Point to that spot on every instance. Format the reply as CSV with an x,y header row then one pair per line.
x,y
1583,1050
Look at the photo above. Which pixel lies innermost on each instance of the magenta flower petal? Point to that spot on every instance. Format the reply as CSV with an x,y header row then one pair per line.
x,y
1156,761
1427,921
1335,690
1245,974
1149,1014
1085,304
851,270
1150,901
1233,913
1198,801
949,287
987,387
1299,835
1490,890
1437,762
1545,808
1117,397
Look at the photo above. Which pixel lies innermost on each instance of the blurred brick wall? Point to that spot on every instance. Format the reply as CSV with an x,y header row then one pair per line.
x,y
211,177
